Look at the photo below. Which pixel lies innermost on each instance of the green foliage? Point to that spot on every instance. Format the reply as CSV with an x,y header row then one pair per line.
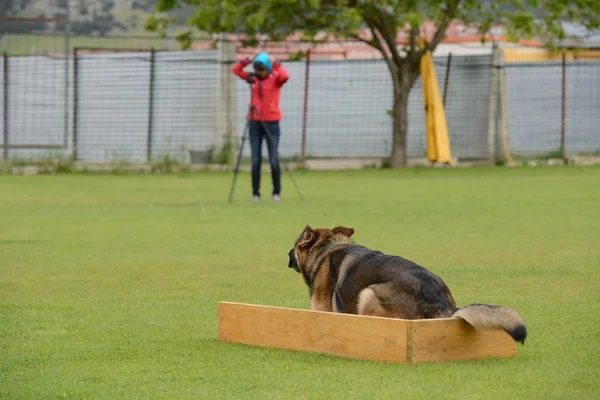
x,y
48,163
164,163
159,24
297,56
185,38
278,18
225,153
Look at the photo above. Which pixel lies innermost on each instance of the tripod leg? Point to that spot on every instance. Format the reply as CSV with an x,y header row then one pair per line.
x,y
292,178
237,166
270,139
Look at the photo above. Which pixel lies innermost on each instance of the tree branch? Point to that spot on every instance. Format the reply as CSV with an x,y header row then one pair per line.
x,y
389,39
377,44
441,31
371,42
413,41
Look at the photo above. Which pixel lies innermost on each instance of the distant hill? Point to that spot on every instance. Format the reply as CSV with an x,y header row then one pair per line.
x,y
88,17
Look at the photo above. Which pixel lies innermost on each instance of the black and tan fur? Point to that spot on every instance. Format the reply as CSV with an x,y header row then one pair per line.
x,y
369,282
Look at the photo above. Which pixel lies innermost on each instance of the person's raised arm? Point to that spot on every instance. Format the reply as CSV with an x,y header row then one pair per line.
x,y
281,74
238,68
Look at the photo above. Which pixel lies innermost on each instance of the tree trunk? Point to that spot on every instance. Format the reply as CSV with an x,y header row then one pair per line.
x,y
406,75
399,128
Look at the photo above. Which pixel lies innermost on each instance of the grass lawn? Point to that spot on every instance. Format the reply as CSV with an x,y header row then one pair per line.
x,y
109,284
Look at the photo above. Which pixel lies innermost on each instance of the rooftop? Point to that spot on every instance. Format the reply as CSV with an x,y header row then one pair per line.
x,y
460,39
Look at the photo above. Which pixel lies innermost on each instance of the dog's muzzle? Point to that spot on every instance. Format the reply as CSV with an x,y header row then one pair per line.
x,y
293,263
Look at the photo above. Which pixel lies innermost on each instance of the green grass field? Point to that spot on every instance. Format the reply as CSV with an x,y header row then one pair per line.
x,y
109,284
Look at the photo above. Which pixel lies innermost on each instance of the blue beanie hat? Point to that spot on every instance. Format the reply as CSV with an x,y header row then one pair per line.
x,y
263,58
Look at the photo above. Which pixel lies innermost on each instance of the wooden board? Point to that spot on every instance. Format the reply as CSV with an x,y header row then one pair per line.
x,y
360,337
449,339
345,335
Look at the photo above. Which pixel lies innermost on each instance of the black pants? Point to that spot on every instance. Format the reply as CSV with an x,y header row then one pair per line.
x,y
257,134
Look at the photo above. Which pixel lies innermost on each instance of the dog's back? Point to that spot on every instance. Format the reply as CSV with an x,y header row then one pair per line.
x,y
402,288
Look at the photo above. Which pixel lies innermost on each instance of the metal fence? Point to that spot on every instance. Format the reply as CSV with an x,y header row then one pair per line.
x,y
551,100
139,105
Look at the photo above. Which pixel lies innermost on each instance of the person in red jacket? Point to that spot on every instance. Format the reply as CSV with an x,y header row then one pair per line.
x,y
266,80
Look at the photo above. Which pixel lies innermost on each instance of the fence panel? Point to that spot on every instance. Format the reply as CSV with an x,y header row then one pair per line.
x,y
112,110
582,124
185,103
347,113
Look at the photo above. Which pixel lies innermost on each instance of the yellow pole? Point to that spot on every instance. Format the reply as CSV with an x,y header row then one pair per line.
x,y
438,144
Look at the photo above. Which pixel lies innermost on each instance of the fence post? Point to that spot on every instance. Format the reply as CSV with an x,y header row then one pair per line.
x,y
493,105
305,111
5,91
224,138
67,52
504,134
563,113
75,101
150,108
447,79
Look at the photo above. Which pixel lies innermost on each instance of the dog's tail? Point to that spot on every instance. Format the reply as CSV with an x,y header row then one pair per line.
x,y
487,317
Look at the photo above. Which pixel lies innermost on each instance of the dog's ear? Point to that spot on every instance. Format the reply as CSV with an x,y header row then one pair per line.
x,y
343,230
308,237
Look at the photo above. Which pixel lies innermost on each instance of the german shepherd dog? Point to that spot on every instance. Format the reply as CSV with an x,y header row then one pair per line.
x,y
346,277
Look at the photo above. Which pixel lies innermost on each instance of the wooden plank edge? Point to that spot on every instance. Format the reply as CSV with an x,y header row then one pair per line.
x,y
346,335
475,345
334,314
410,326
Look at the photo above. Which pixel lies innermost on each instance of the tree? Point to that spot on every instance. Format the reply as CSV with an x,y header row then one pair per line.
x,y
8,7
384,21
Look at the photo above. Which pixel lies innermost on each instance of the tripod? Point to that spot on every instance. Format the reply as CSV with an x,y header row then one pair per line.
x,y
251,109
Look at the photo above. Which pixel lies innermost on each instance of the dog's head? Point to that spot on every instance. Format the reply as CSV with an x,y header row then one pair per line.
x,y
311,239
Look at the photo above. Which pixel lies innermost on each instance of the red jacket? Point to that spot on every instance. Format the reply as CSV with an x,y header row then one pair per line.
x,y
265,92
